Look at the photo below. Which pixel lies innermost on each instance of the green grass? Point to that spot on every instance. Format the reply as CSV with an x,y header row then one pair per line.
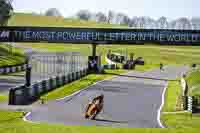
x,y
8,59
11,122
171,95
3,98
23,19
152,54
179,120
79,84
182,120
11,60
193,80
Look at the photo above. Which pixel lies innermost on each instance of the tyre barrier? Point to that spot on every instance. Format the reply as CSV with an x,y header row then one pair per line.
x,y
13,69
23,95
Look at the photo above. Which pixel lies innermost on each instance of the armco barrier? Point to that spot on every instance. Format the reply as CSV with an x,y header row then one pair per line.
x,y
23,95
13,69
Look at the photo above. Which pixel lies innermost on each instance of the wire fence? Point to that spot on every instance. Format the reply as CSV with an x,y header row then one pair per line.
x,y
46,65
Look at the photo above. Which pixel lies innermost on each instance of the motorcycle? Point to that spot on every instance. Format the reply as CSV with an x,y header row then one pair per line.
x,y
93,109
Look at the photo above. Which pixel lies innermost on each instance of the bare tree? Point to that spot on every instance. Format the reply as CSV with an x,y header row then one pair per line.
x,y
183,24
195,23
53,12
100,17
162,23
84,15
172,24
140,22
133,22
111,15
6,10
122,19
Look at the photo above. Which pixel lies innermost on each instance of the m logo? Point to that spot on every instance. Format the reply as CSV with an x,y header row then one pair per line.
x,y
4,34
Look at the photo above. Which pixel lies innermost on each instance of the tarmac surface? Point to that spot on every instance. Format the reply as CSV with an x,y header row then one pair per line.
x,y
131,100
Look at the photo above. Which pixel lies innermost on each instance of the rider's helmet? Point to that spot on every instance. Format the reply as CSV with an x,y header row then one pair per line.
x,y
102,96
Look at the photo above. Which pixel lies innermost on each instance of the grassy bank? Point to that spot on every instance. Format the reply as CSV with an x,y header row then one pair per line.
x,y
24,19
171,95
193,80
152,54
3,98
182,120
8,59
178,120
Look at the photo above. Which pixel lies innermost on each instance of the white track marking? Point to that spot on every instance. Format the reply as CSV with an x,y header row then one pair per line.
x,y
161,106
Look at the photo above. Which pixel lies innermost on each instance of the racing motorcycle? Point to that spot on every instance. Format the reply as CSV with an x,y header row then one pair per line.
x,y
94,108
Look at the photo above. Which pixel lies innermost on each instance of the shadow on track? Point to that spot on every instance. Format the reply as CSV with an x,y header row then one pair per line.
x,y
142,77
112,121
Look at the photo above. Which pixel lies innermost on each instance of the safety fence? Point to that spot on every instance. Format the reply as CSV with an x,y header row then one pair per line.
x,y
23,95
46,65
49,71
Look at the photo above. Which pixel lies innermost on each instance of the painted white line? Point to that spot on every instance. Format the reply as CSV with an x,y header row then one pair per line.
x,y
24,118
178,112
161,106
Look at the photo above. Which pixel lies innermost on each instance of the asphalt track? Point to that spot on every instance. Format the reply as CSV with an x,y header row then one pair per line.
x,y
131,100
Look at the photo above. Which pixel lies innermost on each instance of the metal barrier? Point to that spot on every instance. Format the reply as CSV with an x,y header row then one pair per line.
x,y
12,69
48,71
46,65
23,95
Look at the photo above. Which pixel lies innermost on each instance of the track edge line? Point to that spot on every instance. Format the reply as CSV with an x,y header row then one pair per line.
x,y
161,106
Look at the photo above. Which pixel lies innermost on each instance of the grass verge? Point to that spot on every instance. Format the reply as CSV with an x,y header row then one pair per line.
x,y
171,95
194,82
3,98
11,122
185,120
182,120
8,59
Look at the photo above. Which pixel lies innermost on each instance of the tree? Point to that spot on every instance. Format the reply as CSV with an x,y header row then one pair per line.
x,y
100,17
6,10
162,23
172,24
84,15
53,12
140,22
122,19
183,24
195,23
110,16
133,22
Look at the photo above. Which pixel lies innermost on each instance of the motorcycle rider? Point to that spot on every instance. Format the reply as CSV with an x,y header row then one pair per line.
x,y
98,104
